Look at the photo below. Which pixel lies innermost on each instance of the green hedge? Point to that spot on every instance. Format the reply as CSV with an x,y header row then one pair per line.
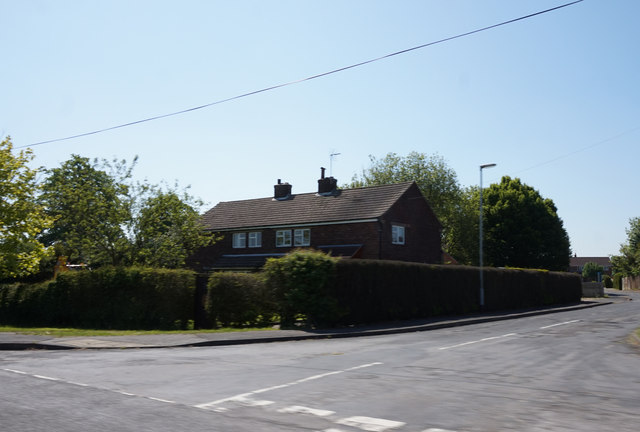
x,y
107,298
373,291
300,283
239,299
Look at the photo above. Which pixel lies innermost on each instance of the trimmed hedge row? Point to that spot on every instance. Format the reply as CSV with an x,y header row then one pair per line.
x,y
321,290
107,298
374,291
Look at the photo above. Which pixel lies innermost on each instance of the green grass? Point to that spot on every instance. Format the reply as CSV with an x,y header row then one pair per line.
x,y
74,332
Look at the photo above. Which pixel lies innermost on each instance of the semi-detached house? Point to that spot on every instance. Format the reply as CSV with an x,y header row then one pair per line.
x,y
390,222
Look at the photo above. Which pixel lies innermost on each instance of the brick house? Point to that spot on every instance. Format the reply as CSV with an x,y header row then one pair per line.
x,y
577,263
391,222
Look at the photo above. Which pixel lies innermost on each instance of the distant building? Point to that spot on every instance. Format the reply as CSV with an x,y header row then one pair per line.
x,y
391,222
576,264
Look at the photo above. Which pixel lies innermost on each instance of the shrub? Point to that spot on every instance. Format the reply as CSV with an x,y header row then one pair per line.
x,y
617,280
239,299
590,271
301,283
607,281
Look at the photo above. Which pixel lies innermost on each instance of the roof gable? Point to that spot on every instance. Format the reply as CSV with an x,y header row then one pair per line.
x,y
308,208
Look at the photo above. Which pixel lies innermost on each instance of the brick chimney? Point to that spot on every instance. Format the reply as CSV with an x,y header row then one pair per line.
x,y
327,185
281,191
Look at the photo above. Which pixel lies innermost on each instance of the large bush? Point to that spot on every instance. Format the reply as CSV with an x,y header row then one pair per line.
x,y
238,299
302,283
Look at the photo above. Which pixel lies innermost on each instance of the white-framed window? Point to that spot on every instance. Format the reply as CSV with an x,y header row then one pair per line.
x,y
283,238
239,240
397,234
302,237
255,239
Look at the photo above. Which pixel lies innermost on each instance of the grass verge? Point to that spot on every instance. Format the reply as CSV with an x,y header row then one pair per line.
x,y
73,332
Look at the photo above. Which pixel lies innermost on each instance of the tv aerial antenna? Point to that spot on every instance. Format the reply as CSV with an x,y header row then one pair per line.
x,y
331,157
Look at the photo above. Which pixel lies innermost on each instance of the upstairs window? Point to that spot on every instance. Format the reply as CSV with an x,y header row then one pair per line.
x,y
255,239
239,240
302,237
283,238
397,234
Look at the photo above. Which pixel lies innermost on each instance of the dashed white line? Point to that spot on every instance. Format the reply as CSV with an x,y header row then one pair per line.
x,y
478,341
212,404
437,430
158,399
370,424
295,409
559,324
48,378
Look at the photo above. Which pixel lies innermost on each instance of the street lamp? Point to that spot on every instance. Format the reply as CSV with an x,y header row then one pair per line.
x,y
491,165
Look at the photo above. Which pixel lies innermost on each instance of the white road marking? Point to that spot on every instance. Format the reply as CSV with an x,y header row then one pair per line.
x,y
158,399
252,402
207,405
437,430
559,324
370,424
46,377
478,341
15,371
306,410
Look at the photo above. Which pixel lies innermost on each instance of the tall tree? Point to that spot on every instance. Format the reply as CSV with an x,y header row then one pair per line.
x,y
439,184
91,208
522,229
628,262
168,229
21,217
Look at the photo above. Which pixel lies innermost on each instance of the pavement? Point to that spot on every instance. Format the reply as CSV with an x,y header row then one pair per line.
x,y
19,341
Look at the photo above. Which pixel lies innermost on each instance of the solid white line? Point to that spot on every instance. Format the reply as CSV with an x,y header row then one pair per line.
x,y
290,384
478,341
370,423
559,324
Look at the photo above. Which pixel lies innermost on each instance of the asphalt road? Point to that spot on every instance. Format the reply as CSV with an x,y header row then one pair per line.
x,y
560,372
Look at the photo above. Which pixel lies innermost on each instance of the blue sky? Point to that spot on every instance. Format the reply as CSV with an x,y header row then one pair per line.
x,y
553,100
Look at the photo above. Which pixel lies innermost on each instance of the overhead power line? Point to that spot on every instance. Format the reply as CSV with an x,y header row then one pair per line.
x,y
321,75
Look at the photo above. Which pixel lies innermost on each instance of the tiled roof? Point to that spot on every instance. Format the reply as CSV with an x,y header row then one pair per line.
x,y
581,261
347,205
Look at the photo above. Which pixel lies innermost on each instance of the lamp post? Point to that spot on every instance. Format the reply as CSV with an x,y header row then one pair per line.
x,y
491,165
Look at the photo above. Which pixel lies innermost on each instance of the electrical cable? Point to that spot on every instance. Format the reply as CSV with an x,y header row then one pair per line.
x,y
566,155
321,75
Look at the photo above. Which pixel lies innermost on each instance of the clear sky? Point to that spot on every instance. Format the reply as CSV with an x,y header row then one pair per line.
x,y
553,100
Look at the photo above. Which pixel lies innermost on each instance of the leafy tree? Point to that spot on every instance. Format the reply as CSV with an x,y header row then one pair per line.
x,y
21,217
168,229
439,184
628,262
91,208
522,229
590,271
